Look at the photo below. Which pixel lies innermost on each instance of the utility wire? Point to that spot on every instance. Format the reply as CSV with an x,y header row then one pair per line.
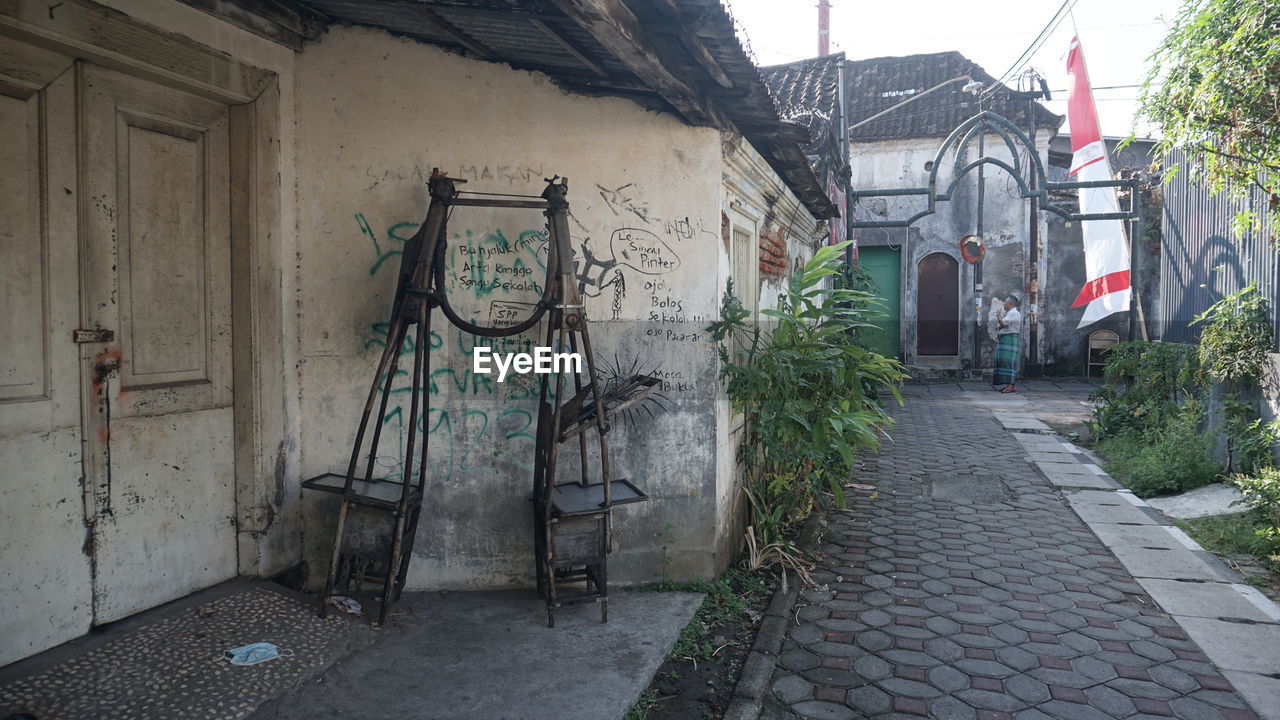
x,y
1049,28
1102,87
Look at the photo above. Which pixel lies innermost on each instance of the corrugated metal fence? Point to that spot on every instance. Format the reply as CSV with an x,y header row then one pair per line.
x,y
1203,260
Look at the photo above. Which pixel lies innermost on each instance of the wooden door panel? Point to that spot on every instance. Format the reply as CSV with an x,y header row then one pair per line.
x,y
36,235
157,243
46,593
157,177
23,293
938,306
163,322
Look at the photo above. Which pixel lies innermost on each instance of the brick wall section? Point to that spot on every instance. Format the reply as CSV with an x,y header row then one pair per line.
x,y
774,259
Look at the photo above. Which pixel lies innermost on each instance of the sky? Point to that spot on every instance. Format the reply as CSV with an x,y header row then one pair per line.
x,y
1117,37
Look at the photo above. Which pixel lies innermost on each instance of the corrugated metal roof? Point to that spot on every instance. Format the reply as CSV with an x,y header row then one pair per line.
x,y
695,41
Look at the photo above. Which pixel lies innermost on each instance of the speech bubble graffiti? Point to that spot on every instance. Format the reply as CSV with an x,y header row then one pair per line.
x,y
643,251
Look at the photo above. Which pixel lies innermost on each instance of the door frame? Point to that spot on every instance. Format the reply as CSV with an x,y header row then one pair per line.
x,y
112,39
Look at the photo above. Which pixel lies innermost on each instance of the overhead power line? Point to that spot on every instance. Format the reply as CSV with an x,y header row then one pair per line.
x,y
1063,11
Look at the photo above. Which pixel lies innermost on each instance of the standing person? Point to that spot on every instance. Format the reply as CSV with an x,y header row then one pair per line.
x,y
1008,346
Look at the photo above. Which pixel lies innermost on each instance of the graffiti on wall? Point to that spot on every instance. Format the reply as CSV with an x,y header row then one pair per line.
x,y
497,277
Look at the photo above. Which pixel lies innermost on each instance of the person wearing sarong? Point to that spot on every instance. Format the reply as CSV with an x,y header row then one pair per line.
x,y
1008,346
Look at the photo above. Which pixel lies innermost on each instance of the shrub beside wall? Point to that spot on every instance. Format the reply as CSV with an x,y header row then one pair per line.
x,y
1150,421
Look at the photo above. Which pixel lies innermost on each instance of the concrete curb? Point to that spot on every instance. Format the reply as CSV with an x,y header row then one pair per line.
x,y
1212,621
748,696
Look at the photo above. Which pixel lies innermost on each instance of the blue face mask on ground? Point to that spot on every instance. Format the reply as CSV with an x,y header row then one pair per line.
x,y
253,653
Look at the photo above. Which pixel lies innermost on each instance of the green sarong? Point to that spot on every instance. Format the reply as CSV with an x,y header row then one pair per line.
x,y
1008,359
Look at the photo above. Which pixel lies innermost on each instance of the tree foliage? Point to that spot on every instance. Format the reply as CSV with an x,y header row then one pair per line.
x,y
1237,336
1214,90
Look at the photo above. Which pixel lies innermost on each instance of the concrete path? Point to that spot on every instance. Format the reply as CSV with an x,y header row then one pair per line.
x,y
1216,499
491,656
488,656
998,573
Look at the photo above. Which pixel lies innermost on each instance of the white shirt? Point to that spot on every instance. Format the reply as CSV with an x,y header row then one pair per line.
x,y
1012,323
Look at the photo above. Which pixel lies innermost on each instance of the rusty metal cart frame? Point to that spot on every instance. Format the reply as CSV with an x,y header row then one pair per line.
x,y
571,520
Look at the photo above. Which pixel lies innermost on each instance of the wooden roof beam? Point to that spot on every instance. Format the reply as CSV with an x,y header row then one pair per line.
x,y
615,27
447,28
693,43
569,47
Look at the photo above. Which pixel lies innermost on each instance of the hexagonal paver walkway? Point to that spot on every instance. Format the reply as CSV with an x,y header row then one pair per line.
x,y
964,587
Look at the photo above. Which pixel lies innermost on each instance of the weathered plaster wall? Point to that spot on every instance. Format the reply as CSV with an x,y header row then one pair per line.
x,y
781,236
1064,344
369,135
902,164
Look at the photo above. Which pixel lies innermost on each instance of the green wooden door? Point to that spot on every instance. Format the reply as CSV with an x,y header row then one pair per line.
x,y
885,266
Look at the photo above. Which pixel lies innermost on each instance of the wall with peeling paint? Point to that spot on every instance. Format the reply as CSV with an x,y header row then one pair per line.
x,y
46,540
645,198
778,235
360,118
902,164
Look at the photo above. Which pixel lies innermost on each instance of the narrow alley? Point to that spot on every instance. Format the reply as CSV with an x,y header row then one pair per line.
x,y
965,586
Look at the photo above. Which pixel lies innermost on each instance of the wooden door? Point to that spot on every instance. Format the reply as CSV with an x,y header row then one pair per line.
x,y
885,267
155,204
938,306
45,590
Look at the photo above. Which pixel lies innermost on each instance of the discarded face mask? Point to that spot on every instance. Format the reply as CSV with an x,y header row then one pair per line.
x,y
351,606
255,653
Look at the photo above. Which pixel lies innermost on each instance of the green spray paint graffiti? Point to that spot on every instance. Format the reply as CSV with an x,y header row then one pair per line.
x,y
464,440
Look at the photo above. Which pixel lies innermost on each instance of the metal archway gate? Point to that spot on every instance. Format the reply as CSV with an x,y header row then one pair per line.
x,y
1029,176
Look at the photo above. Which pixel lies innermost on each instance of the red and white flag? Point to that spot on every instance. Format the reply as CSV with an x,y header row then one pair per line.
x,y
1106,250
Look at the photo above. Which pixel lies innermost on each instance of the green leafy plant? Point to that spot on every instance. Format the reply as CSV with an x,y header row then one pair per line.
x,y
808,395
1149,416
1236,337
1262,492
1146,384
1250,441
1172,458
1211,89
1234,343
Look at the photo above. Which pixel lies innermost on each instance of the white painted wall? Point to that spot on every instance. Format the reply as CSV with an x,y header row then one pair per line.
x,y
370,134
357,134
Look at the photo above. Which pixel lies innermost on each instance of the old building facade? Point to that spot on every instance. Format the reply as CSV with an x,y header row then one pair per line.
x,y
933,313
213,197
